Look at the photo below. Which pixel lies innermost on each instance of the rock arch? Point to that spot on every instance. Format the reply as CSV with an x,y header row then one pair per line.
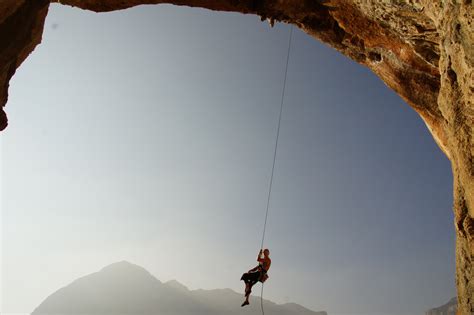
x,y
422,49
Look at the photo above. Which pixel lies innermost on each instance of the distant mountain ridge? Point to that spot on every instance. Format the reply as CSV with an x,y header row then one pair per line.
x,y
449,308
124,288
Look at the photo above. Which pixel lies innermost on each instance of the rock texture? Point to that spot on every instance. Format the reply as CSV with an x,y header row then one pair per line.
x,y
422,49
21,27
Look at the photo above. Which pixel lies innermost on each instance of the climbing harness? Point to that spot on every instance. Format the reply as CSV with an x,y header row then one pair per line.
x,y
275,153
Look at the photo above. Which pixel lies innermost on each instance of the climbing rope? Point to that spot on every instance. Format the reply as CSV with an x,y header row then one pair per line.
x,y
275,153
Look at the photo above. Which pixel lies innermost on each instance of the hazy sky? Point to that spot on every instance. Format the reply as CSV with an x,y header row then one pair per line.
x,y
147,135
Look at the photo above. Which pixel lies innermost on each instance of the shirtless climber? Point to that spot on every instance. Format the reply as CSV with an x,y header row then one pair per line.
x,y
256,274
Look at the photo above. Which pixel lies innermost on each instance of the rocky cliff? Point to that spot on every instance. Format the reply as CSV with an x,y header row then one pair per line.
x,y
422,49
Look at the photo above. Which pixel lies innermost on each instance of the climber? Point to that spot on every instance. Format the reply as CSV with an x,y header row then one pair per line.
x,y
256,274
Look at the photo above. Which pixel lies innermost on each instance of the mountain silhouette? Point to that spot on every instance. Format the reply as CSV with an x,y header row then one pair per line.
x,y
449,308
124,289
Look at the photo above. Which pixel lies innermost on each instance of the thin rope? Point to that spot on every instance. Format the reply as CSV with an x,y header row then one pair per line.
x,y
277,136
275,152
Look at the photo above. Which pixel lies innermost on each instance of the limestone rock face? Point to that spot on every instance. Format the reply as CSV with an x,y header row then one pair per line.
x,y
422,49
21,27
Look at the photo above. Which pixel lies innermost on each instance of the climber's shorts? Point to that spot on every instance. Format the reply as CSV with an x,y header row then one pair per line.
x,y
251,277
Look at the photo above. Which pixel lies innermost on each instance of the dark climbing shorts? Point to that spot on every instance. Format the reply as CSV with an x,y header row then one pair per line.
x,y
251,277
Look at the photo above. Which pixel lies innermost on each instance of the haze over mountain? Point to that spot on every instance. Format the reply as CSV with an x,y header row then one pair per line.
x,y
449,308
125,288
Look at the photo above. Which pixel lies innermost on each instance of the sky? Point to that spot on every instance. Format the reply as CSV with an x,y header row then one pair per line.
x,y
147,135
